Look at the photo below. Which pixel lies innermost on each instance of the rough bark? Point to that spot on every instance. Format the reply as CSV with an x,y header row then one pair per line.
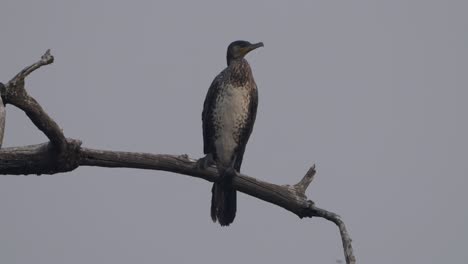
x,y
63,155
2,118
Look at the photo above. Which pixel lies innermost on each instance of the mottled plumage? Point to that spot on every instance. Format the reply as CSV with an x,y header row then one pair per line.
x,y
228,116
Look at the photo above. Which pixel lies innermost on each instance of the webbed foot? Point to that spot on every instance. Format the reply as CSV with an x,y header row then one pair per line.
x,y
205,162
230,172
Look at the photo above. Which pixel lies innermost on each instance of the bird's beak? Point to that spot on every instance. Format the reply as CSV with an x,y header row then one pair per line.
x,y
256,45
252,47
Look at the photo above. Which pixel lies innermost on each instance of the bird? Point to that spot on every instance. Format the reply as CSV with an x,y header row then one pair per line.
x,y
228,117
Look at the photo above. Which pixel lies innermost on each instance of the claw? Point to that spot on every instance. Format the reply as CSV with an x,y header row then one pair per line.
x,y
229,173
205,162
200,163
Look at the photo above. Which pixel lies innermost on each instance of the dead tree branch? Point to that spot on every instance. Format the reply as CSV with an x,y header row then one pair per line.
x,y
63,155
14,93
2,116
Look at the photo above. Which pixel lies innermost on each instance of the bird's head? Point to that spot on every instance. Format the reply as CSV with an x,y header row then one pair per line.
x,y
238,49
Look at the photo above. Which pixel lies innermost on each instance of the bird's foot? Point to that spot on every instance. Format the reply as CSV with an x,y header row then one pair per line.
x,y
205,162
229,172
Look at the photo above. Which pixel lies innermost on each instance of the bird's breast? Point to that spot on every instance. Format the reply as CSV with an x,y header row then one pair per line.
x,y
230,115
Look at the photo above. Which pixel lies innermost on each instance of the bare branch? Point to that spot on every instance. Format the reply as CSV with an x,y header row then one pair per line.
x,y
64,155
302,185
46,59
39,159
2,116
15,93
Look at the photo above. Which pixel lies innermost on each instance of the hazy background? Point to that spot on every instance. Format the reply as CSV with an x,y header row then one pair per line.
x,y
373,92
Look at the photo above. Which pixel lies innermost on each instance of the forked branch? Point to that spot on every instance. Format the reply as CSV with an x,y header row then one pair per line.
x,y
15,93
63,155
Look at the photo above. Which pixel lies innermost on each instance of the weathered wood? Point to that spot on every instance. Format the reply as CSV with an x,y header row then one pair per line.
x,y
2,118
43,159
14,93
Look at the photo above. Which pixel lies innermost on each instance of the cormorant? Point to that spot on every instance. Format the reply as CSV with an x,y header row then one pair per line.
x,y
228,117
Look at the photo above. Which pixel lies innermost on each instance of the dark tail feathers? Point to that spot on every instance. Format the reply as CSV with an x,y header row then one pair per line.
x,y
223,203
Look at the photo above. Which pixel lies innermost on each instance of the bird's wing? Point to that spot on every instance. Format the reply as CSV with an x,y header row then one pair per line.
x,y
207,116
247,129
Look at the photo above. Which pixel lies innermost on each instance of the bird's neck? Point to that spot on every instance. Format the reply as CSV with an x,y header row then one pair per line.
x,y
240,71
236,61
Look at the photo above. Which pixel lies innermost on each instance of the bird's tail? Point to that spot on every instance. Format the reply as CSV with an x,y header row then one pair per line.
x,y
223,201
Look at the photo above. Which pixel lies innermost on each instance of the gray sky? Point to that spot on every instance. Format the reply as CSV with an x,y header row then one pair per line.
x,y
373,92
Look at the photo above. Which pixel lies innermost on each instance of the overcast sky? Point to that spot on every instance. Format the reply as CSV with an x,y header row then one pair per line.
x,y
373,92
